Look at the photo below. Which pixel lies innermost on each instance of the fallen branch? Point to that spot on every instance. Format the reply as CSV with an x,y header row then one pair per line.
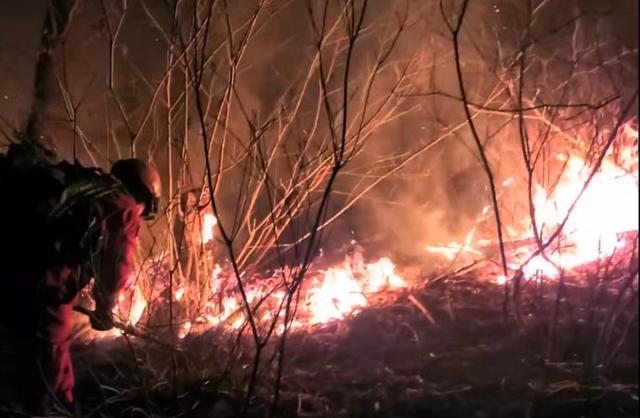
x,y
422,309
127,329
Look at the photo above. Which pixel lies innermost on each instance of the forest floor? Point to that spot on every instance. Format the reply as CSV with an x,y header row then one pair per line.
x,y
442,349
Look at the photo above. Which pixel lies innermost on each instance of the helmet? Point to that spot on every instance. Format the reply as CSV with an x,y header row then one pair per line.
x,y
141,181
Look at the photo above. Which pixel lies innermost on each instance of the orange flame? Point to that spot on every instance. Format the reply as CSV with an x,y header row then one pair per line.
x,y
341,291
608,207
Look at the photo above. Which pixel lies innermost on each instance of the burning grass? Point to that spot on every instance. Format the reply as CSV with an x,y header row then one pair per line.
x,y
439,349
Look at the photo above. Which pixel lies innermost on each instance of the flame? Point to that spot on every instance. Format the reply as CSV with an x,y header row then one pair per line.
x,y
382,274
185,329
335,295
131,307
607,208
332,294
209,221
138,306
341,291
453,249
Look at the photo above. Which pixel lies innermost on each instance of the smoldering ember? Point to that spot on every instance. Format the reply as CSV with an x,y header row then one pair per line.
x,y
319,208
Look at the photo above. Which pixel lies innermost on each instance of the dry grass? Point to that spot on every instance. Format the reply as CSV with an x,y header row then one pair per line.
x,y
439,350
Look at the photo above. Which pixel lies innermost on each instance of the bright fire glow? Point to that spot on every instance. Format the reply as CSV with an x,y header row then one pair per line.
x,y
331,294
453,249
335,295
130,307
607,208
341,291
209,221
138,306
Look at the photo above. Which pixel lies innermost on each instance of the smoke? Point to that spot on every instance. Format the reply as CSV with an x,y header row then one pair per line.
x,y
440,191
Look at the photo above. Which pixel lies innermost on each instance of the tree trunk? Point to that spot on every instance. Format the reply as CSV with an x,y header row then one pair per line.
x,y
53,27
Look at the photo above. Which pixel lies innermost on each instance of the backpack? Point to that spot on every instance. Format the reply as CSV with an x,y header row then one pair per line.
x,y
75,220
59,202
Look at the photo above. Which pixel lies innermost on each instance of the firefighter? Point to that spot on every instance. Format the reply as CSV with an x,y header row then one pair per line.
x,y
90,230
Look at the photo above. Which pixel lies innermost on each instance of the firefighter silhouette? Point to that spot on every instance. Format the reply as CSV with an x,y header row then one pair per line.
x,y
61,226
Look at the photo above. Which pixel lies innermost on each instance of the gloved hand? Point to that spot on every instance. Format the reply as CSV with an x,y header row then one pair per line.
x,y
101,321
